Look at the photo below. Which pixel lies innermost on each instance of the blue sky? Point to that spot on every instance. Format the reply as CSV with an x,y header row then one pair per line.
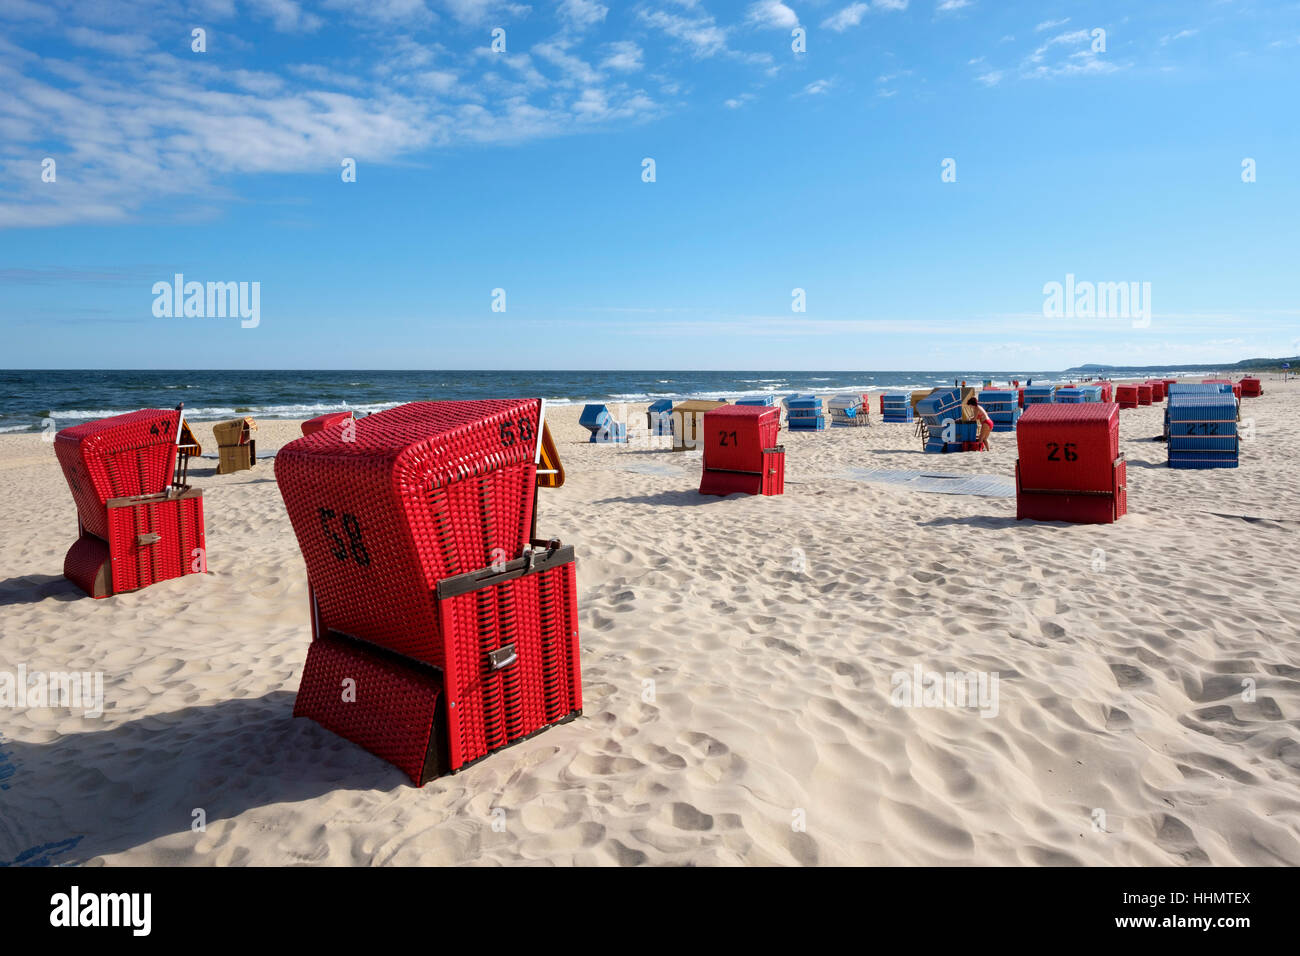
x,y
522,170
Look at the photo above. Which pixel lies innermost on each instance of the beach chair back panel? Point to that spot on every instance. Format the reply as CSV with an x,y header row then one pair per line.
x,y
1069,447
154,541
1202,431
1075,507
940,405
117,457
425,491
734,436
512,659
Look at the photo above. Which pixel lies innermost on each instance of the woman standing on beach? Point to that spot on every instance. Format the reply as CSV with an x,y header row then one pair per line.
x,y
981,416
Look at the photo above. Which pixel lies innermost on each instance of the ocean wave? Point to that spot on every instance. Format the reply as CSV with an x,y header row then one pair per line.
x,y
218,412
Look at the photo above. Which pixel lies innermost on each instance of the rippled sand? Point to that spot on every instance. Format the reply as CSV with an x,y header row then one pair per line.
x,y
737,661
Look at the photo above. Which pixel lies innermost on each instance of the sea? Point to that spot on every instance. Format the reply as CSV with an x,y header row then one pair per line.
x,y
71,396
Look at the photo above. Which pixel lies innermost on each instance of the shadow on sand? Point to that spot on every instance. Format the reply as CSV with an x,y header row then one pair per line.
x,y
85,795
680,496
34,588
981,521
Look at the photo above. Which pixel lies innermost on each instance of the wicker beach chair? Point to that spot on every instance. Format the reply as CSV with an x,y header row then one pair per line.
x,y
1069,466
740,451
688,422
427,579
236,447
323,422
139,522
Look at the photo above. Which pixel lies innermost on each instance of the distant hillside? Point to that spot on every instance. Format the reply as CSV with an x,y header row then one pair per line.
x,y
1245,365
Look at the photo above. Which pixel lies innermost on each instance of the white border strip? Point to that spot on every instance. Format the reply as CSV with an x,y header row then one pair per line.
x,y
541,426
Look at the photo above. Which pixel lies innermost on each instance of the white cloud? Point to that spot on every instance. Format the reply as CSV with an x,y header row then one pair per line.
x,y
1083,63
581,14
771,14
817,87
701,33
850,16
26,10
1180,35
476,12
287,16
736,102
406,12
624,56
122,44
1076,36
575,69
948,6
1051,25
1079,62
132,127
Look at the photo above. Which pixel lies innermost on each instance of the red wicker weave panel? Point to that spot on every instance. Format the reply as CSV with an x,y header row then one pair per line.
x,y
393,713
426,491
730,483
117,457
734,436
1068,447
774,471
324,422
487,708
179,524
1075,508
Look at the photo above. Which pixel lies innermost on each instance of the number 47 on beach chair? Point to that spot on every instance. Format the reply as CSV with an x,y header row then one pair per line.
x,y
443,628
139,521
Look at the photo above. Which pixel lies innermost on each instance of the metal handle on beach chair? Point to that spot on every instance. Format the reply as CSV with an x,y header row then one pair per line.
x,y
502,657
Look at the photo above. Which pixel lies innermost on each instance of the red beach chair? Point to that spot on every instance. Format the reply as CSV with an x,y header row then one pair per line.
x,y
1069,466
322,422
741,453
430,590
138,520
1126,396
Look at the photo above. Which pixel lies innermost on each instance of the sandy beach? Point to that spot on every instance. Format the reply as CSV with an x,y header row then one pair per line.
x,y
737,659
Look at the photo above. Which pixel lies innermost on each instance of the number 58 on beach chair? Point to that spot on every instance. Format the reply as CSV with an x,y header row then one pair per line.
x,y
443,628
